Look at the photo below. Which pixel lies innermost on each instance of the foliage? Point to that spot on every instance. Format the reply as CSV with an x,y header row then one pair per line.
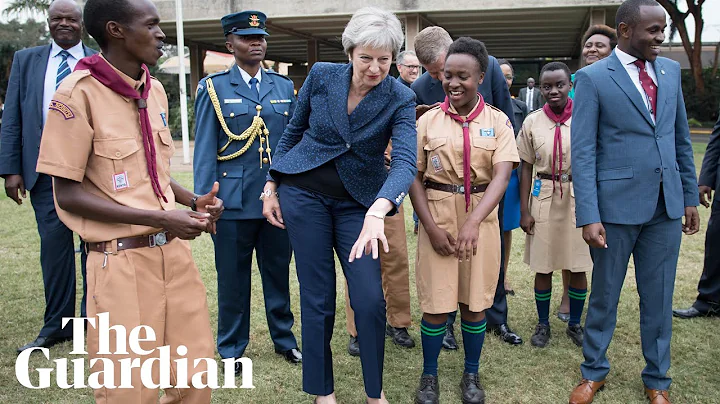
x,y
18,7
14,36
703,108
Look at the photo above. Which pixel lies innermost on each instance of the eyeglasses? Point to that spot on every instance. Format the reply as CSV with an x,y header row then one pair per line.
x,y
411,67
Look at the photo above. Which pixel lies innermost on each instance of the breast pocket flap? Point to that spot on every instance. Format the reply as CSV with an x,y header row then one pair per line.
x,y
487,143
115,149
233,110
621,173
434,143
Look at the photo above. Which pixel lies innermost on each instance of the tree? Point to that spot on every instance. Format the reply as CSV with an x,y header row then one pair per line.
x,y
693,48
18,7
14,36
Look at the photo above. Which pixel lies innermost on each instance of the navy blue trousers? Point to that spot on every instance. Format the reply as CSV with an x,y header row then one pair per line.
x,y
709,285
57,261
498,312
655,247
235,242
320,226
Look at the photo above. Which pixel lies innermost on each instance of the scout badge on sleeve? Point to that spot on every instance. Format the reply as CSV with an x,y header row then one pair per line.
x,y
63,109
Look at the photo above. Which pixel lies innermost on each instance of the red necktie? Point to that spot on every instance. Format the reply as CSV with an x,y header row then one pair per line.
x,y
647,85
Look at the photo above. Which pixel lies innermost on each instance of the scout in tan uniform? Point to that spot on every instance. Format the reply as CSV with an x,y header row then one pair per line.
x,y
108,147
466,152
548,216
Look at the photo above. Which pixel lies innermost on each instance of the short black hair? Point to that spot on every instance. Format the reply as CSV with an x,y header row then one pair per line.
x,y
629,12
98,13
554,66
505,62
472,47
601,29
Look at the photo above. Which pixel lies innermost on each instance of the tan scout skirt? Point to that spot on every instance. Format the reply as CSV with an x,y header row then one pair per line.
x,y
443,282
557,244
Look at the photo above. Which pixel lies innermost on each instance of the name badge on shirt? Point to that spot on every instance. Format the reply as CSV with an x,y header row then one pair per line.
x,y
120,181
490,132
536,187
288,101
437,165
232,100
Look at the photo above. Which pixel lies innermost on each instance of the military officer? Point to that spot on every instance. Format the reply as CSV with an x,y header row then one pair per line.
x,y
240,115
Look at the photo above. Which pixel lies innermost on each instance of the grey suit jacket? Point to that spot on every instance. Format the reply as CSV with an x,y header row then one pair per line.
x,y
23,116
538,100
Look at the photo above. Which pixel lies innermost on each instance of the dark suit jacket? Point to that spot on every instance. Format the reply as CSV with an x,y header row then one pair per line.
x,y
23,115
493,89
538,100
710,172
520,110
321,130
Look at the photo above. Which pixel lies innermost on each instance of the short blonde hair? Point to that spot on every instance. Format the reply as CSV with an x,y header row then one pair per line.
x,y
374,28
430,43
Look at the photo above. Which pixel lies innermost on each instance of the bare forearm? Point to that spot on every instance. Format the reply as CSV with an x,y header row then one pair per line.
x,y
182,196
74,199
525,181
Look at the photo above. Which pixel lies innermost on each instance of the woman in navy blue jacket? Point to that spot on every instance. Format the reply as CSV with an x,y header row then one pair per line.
x,y
334,191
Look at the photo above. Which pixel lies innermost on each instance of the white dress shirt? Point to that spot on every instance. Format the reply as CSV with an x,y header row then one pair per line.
x,y
246,77
529,99
634,73
77,52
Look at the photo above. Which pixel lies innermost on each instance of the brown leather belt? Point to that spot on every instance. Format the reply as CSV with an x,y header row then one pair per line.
x,y
150,240
561,178
455,189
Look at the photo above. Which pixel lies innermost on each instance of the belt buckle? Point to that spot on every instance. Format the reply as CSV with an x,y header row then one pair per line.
x,y
564,178
158,239
460,189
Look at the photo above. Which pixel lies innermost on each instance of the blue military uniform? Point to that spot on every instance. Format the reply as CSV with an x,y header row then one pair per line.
x,y
241,167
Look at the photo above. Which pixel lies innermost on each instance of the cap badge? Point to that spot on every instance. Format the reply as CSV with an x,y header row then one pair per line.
x,y
254,20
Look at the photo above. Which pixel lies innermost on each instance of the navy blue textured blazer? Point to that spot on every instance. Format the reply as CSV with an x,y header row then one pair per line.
x,y
321,130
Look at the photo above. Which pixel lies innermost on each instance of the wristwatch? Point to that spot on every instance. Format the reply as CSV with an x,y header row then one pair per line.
x,y
193,202
268,193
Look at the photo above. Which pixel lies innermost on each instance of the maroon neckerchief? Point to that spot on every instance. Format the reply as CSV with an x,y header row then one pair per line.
x,y
445,106
557,143
101,70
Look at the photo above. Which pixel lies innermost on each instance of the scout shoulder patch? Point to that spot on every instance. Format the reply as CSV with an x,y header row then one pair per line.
x,y
63,109
508,124
436,163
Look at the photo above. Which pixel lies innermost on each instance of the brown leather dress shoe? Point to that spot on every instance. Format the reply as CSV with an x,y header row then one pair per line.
x,y
657,396
585,391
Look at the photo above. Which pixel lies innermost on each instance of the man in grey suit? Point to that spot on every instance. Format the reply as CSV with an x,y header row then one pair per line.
x,y
634,180
707,303
531,96
36,73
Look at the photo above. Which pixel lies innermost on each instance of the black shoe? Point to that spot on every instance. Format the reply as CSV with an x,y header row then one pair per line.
x,y
506,334
471,390
399,336
429,390
575,332
238,369
44,342
353,346
449,341
692,312
291,355
541,337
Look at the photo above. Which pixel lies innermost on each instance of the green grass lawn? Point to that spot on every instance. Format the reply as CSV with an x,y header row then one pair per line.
x,y
521,374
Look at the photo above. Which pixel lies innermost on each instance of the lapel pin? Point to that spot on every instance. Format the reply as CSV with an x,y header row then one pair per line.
x,y
662,71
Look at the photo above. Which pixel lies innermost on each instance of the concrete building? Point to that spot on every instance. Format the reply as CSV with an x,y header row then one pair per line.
x,y
305,31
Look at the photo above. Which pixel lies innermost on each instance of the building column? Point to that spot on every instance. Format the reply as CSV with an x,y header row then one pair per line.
x,y
412,27
313,53
197,67
597,16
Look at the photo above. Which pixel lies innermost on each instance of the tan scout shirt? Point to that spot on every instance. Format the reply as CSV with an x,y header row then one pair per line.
x,y
536,139
92,136
440,153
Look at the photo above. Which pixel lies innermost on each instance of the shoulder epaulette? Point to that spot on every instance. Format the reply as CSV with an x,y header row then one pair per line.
x,y
69,83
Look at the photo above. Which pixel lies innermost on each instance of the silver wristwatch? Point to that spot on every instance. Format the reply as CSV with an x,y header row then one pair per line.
x,y
267,193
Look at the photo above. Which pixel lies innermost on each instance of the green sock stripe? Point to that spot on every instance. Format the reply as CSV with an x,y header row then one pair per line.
x,y
578,296
542,295
432,332
542,299
473,330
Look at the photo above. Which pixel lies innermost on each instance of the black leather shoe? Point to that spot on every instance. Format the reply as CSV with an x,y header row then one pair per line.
x,y
44,342
692,312
576,334
353,346
238,368
291,355
471,390
429,390
399,336
449,341
541,337
506,334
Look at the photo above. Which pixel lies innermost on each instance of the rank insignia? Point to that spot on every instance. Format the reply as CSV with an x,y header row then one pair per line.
x,y
437,165
66,112
254,20
287,101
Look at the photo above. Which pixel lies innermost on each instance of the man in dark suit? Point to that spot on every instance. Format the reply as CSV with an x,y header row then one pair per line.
x,y
708,300
431,45
634,180
408,66
36,73
531,96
